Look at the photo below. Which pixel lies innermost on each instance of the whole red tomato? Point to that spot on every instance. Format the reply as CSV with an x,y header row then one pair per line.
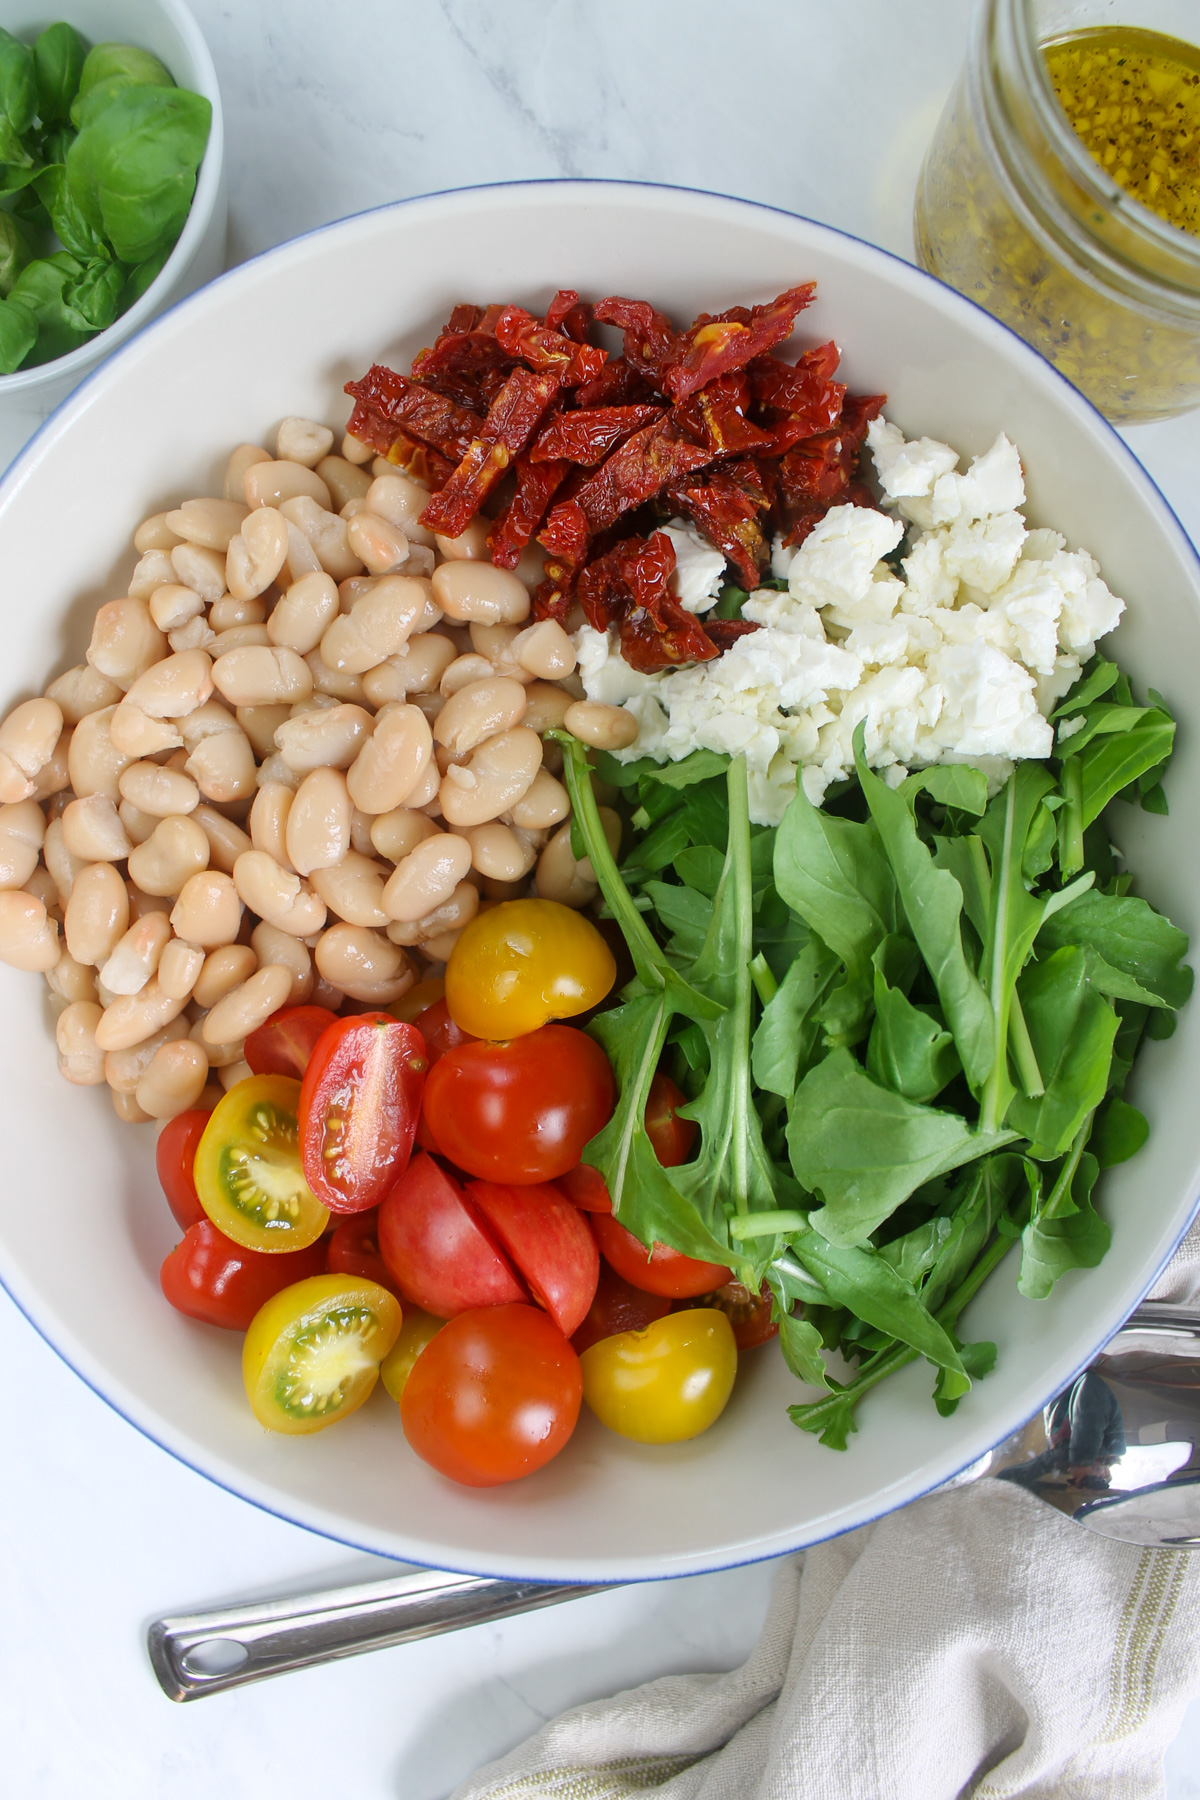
x,y
174,1157
617,1307
283,1044
359,1104
671,1139
663,1271
353,1249
494,1396
440,1032
211,1278
522,1111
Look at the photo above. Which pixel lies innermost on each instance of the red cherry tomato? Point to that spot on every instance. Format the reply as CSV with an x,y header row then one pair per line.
x,y
283,1045
523,1111
617,1307
749,1314
174,1158
359,1104
440,1032
353,1249
439,1248
493,1396
671,1139
548,1241
209,1277
664,1271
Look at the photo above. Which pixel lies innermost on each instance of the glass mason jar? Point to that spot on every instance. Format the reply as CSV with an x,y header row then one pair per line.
x,y
1013,211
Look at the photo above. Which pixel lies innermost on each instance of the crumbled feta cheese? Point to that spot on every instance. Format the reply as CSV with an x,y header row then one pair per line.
x,y
961,661
699,569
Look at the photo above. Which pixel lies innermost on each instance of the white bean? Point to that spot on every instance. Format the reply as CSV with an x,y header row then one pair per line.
x,y
545,650
243,458
328,535
28,938
208,911
353,889
463,672
377,626
395,834
28,738
298,621
277,895
401,501
176,850
269,483
135,733
154,570
125,641
226,968
355,451
92,830
180,968
71,980
498,853
603,727
570,880
174,1081
344,479
545,802
194,634
470,590
245,1008
304,441
97,914
94,763
339,684
281,949
257,553
261,675
154,534
451,915
22,833
363,963
328,737
123,1069
154,789
268,820
136,956
134,1018
223,767
427,877
203,570
80,1059
392,761
380,546
500,771
230,614
318,822
61,863
226,841
172,606
479,711
210,523
470,546
207,720
80,691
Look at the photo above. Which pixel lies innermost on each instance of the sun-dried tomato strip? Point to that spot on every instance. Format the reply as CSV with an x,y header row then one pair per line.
x,y
421,461
389,399
713,346
570,315
718,413
618,384
510,424
664,637
588,435
652,459
536,485
521,335
724,633
627,587
729,518
466,363
650,337
793,387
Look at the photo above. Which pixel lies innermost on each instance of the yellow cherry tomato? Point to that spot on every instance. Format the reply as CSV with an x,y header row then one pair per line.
x,y
417,1330
312,1353
247,1170
523,963
666,1383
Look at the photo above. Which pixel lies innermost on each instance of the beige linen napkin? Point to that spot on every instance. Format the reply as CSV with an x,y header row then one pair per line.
x,y
975,1644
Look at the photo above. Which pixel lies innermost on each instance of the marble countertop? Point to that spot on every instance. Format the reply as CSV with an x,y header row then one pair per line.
x,y
821,109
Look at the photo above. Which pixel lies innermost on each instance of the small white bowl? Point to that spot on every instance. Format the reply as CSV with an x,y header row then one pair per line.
x,y
83,1225
167,29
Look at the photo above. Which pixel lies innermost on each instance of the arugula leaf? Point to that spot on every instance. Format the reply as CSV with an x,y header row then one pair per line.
x,y
684,913
700,765
1127,935
1072,1029
865,1149
801,1345
1099,676
1111,764
834,873
786,1035
1054,1242
914,1254
877,1293
1119,1133
908,1051
700,867
950,784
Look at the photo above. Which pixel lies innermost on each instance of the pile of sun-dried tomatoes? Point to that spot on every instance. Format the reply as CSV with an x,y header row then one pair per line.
x,y
587,453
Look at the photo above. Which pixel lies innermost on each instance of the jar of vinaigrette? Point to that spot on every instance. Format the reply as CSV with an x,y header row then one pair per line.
x,y
1062,192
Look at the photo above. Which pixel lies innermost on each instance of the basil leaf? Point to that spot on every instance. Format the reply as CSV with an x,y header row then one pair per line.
x,y
18,84
70,227
14,253
132,169
40,287
95,299
109,68
58,57
18,334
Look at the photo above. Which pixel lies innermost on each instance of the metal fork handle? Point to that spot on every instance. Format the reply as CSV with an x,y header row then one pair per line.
x,y
194,1654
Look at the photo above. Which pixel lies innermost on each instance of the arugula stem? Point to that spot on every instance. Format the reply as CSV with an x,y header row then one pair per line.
x,y
738,858
1021,1045
647,956
1061,1190
993,1088
1070,829
765,984
767,1224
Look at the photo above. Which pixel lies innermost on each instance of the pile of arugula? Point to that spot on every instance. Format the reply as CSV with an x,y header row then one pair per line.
x,y
99,152
904,1022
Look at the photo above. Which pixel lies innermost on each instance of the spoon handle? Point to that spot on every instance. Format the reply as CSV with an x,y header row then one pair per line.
x,y
194,1654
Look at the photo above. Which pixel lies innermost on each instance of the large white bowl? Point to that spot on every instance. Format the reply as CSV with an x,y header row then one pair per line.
x,y
83,1226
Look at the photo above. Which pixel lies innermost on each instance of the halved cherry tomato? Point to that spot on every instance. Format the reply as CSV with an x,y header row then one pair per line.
x,y
438,1246
493,1396
353,1249
549,1243
247,1168
415,1332
663,1270
671,1139
617,1307
523,963
666,1383
749,1314
312,1353
284,1043
175,1160
520,1112
209,1277
359,1104
439,1031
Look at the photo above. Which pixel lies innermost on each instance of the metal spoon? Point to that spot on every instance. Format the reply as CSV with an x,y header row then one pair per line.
x,y
1118,1451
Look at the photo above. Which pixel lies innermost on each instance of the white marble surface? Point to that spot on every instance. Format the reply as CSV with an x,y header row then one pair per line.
x,y
822,109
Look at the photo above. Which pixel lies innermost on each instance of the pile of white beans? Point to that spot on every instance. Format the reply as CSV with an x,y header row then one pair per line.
x,y
305,747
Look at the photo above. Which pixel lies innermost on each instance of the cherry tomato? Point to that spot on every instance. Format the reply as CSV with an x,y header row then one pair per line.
x,y
663,1271
359,1104
666,1383
415,1332
439,1248
749,1314
312,1353
247,1168
175,1159
523,963
284,1043
353,1249
409,1007
209,1277
493,1396
520,1112
671,1139
439,1031
548,1242
617,1307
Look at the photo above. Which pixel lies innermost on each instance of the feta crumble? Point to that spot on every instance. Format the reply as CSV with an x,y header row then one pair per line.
x,y
961,660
